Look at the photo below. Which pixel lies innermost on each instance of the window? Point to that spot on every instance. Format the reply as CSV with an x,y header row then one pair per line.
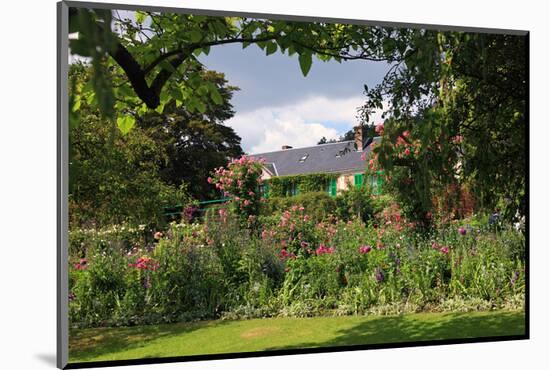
x,y
303,159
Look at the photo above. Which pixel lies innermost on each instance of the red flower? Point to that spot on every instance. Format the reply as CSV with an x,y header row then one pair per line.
x,y
324,250
283,254
365,249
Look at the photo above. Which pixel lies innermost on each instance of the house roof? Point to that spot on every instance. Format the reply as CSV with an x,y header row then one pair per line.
x,y
325,158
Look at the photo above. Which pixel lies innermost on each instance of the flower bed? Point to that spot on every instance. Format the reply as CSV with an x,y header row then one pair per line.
x,y
291,265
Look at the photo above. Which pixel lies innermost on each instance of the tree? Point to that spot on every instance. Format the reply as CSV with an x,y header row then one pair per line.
x,y
115,178
368,131
195,143
457,115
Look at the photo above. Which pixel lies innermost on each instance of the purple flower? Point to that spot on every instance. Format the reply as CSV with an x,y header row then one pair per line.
x,y
147,283
514,278
379,275
462,231
444,250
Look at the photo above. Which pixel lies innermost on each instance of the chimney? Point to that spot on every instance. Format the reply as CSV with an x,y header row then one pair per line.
x,y
359,138
285,147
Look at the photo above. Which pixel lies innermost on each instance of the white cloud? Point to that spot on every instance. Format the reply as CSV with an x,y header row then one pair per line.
x,y
300,124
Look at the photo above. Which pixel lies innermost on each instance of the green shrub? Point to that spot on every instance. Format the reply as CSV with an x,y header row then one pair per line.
x,y
356,202
318,205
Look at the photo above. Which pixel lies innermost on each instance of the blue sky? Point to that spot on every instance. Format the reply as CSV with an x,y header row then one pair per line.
x,y
278,106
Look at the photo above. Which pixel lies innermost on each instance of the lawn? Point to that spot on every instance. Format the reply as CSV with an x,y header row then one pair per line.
x,y
213,337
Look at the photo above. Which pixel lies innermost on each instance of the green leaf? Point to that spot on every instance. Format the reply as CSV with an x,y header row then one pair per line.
x,y
91,98
291,50
216,96
201,106
177,94
270,48
125,123
305,62
160,108
195,35
168,66
202,90
76,105
125,90
140,16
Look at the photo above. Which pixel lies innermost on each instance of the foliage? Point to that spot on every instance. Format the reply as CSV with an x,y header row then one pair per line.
x,y
356,201
368,131
462,99
115,177
123,237
318,205
155,55
295,267
282,186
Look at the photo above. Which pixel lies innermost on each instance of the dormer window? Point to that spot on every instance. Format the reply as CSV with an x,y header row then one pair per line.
x,y
303,158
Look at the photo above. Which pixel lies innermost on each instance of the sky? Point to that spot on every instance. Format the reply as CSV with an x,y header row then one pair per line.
x,y
278,106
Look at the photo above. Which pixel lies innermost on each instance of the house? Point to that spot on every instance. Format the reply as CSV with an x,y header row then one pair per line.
x,y
346,160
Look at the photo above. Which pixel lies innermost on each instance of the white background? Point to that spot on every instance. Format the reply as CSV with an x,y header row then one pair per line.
x,y
28,183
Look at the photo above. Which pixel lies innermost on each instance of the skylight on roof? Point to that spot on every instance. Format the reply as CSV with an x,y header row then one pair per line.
x,y
303,159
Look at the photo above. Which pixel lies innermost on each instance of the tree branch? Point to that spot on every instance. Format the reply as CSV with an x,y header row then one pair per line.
x,y
135,75
193,47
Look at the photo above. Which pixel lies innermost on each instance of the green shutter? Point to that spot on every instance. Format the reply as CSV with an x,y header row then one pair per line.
x,y
358,179
332,187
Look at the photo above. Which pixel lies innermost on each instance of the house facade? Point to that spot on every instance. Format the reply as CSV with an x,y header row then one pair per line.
x,y
345,160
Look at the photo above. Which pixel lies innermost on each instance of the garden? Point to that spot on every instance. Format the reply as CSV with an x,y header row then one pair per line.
x,y
176,235
246,261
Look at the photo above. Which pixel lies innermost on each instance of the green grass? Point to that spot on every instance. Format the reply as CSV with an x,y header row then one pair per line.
x,y
211,337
